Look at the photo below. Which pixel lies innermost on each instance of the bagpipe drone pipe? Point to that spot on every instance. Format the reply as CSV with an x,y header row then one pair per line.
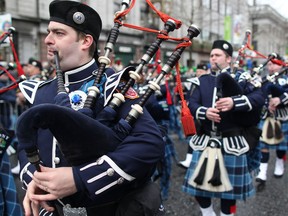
x,y
100,133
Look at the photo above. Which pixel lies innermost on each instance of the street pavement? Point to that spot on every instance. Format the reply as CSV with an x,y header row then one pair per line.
x,y
272,201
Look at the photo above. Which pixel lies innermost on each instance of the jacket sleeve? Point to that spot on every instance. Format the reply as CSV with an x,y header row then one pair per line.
x,y
195,106
132,162
251,101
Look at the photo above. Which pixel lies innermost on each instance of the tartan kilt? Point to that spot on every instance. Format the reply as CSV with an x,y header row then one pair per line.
x,y
239,176
283,146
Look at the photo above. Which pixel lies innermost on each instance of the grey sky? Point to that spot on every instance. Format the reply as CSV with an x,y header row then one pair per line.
x,y
279,5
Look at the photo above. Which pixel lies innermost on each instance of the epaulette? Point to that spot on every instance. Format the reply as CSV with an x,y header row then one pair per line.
x,y
29,89
113,80
194,80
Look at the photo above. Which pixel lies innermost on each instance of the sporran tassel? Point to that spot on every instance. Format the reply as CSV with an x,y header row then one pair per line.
x,y
216,177
270,133
200,177
278,131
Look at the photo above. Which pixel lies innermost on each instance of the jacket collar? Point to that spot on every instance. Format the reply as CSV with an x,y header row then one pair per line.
x,y
81,73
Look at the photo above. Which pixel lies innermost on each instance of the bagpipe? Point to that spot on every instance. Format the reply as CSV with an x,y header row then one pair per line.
x,y
6,135
245,42
227,86
255,76
273,85
21,77
101,133
258,70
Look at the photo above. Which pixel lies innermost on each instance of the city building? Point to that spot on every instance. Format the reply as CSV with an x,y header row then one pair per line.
x,y
270,30
217,19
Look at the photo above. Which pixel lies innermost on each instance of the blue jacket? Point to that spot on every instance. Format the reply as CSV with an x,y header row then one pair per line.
x,y
109,177
245,103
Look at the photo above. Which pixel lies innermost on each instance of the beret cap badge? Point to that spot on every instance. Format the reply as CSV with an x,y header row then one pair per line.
x,y
225,46
78,18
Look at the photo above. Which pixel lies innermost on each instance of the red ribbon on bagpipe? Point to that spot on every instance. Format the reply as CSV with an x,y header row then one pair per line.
x,y
20,71
164,17
186,116
246,45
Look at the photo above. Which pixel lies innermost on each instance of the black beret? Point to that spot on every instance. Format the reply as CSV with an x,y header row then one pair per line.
x,y
76,15
35,63
202,66
223,45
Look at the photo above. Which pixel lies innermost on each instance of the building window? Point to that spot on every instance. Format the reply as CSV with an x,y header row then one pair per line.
x,y
255,45
255,28
206,3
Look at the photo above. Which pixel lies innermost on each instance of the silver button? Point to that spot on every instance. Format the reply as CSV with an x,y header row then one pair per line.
x,y
56,160
100,161
120,180
110,172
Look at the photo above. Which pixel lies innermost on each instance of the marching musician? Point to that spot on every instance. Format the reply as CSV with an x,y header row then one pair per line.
x,y
274,123
219,167
107,184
